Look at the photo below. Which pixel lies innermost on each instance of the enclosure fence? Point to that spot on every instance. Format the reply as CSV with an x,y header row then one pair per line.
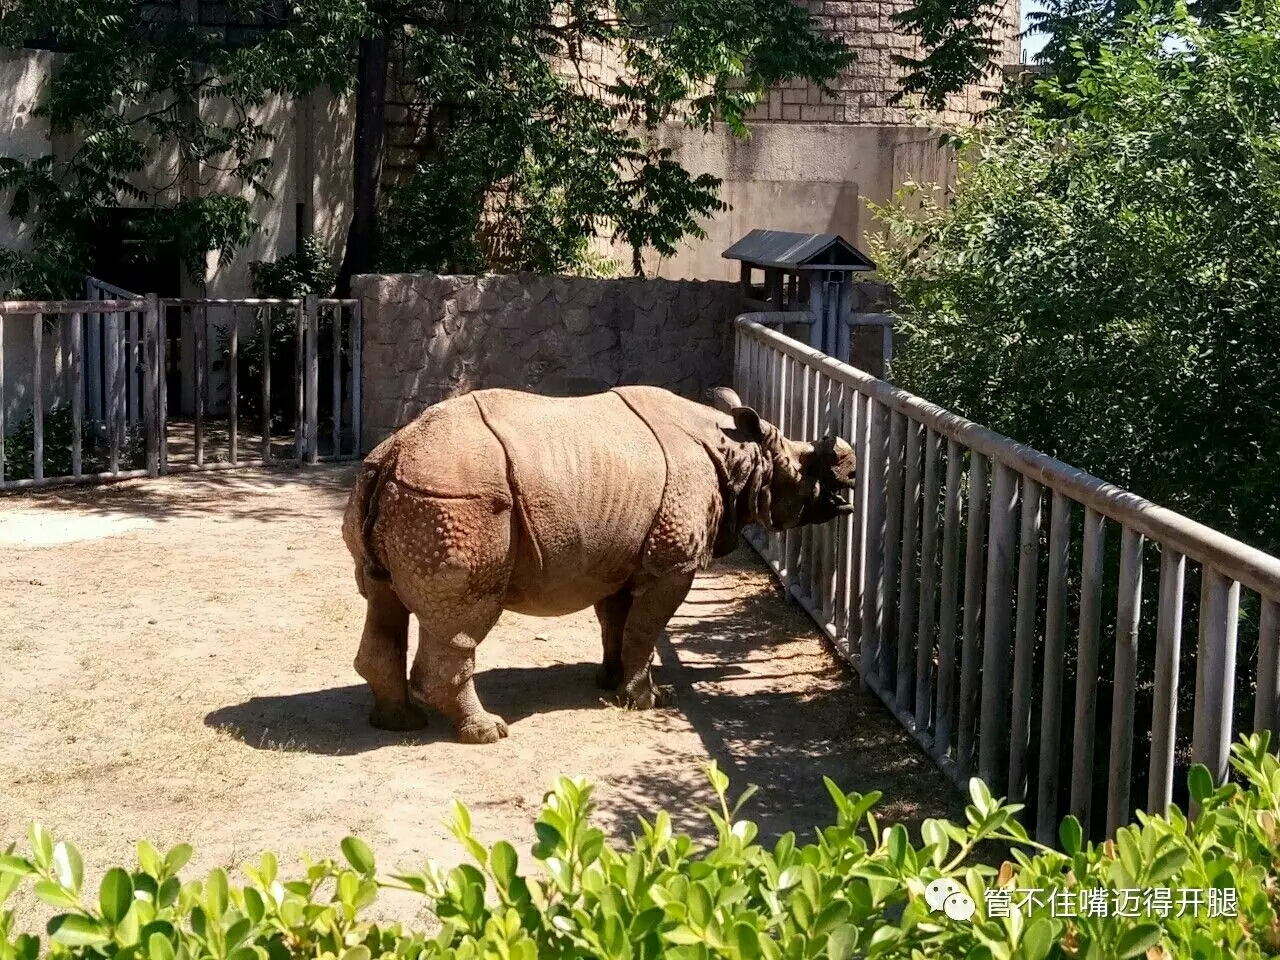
x,y
937,588
123,363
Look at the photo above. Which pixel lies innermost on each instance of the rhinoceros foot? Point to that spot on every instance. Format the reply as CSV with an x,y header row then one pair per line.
x,y
609,676
482,728
650,697
408,716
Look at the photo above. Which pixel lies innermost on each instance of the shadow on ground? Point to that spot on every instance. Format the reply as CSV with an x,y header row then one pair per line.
x,y
769,706
231,494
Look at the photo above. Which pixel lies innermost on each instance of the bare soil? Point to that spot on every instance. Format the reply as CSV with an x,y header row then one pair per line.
x,y
175,664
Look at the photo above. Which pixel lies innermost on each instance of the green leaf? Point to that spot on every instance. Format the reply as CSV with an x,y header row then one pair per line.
x,y
359,855
41,845
1200,783
115,895
149,859
16,866
502,861
1137,940
68,868
746,940
1071,835
177,858
1037,939
55,894
216,894
77,930
842,941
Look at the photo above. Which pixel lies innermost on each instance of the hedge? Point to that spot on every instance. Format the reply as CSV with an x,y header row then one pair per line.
x,y
856,889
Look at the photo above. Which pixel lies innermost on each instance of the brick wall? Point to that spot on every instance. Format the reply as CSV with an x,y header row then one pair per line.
x,y
862,92
430,337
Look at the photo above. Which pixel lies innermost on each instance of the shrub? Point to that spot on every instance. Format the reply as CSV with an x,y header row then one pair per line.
x,y
59,429
856,890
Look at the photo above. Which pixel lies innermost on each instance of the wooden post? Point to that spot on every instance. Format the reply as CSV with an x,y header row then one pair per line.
x,y
969,651
1055,631
93,373
110,344
928,580
313,379
1267,704
154,383
1024,640
861,500
266,384
947,616
233,387
1215,672
77,396
846,549
337,380
997,634
132,352
37,396
357,373
122,374
907,579
1123,702
892,548
202,333
1087,668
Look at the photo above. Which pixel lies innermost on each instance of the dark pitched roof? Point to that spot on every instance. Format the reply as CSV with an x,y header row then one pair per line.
x,y
798,251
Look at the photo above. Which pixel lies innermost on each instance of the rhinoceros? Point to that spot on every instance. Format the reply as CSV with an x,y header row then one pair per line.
x,y
503,500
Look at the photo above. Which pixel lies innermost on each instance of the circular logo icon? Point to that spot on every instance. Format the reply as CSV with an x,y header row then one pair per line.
x,y
959,906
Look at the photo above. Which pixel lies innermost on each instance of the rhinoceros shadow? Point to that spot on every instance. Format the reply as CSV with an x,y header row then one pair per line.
x,y
334,721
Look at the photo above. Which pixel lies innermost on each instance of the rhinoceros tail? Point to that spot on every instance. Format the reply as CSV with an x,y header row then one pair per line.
x,y
362,515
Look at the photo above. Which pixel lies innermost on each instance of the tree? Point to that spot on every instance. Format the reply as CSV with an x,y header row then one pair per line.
x,y
532,155
1102,284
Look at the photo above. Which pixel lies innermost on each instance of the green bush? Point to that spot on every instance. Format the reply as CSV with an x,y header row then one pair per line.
x,y
59,429
855,890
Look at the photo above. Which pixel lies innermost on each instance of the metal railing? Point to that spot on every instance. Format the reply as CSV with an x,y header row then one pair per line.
x,y
134,363
948,638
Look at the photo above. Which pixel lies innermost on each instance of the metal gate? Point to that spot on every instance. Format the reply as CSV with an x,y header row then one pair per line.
x,y
128,386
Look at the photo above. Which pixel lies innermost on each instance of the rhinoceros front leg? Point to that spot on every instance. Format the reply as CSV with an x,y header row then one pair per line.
x,y
612,614
651,609
381,659
444,671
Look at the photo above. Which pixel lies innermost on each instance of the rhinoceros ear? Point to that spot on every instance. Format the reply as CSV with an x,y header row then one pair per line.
x,y
750,423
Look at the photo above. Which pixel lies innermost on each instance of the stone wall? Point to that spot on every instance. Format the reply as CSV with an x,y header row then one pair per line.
x,y
427,338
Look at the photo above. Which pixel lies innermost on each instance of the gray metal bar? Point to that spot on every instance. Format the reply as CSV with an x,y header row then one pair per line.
x,y
233,387
947,618
110,347
873,609
928,580
892,548
1164,706
202,334
1087,667
1266,707
313,380
997,634
153,383
266,384
337,381
299,382
3,428
37,396
907,577
1123,700
357,374
1024,641
1215,672
973,581
77,395
1055,632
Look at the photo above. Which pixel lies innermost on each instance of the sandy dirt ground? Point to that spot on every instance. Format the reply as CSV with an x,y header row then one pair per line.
x,y
175,664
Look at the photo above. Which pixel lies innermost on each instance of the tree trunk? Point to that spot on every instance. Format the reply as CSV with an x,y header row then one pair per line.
x,y
371,108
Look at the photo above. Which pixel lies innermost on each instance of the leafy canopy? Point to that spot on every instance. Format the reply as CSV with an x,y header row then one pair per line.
x,y
528,149
1103,283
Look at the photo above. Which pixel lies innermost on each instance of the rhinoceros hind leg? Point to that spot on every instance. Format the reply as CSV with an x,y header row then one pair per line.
x,y
381,659
650,610
612,614
444,672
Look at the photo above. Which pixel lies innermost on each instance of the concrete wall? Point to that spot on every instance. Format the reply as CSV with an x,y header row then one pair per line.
x,y
428,337
807,177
